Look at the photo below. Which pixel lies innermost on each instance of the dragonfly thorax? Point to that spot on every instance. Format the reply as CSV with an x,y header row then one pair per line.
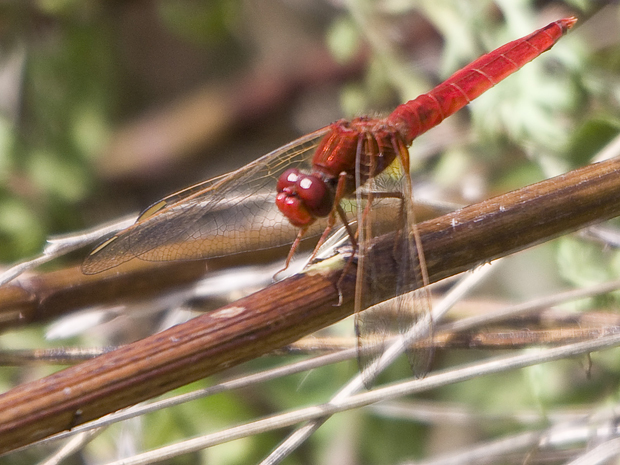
x,y
366,144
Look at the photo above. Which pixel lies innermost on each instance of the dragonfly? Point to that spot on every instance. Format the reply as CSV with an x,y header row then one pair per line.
x,y
347,171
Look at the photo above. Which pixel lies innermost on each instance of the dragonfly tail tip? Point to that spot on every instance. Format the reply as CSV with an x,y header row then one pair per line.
x,y
568,23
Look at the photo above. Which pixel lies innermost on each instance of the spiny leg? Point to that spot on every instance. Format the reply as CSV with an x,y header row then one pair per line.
x,y
347,267
294,246
337,209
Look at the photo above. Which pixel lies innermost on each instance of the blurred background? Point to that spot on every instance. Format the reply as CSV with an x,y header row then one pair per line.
x,y
105,107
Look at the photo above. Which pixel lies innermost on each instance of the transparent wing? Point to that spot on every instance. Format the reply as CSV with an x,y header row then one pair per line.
x,y
229,214
377,320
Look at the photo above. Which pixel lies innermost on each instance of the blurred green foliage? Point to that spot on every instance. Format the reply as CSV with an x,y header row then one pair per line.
x,y
65,68
64,92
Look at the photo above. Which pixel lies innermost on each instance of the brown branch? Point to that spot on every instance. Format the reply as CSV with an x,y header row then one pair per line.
x,y
543,328
45,296
299,305
42,297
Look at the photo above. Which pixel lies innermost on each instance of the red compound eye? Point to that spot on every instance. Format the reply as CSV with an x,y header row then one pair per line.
x,y
302,198
316,195
293,208
288,179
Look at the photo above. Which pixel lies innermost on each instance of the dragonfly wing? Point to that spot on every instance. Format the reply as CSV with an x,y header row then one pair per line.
x,y
385,204
229,214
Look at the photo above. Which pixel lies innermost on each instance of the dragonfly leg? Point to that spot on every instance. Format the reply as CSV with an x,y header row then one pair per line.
x,y
340,192
343,217
402,212
331,219
300,236
345,271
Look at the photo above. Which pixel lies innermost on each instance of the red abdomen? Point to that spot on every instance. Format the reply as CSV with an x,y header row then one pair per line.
x,y
428,110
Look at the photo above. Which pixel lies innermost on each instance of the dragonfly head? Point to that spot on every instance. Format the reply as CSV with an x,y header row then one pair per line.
x,y
303,198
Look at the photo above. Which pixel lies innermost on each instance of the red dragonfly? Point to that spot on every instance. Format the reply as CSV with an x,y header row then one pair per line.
x,y
316,176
